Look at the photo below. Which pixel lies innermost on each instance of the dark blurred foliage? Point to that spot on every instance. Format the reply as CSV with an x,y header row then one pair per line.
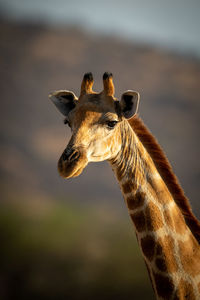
x,y
73,239
64,251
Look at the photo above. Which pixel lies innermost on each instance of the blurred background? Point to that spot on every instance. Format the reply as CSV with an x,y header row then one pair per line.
x,y
72,239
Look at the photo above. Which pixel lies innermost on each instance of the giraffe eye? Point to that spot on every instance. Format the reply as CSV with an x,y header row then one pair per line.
x,y
111,124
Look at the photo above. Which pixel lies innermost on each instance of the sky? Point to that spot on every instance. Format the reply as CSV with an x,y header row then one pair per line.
x,y
173,24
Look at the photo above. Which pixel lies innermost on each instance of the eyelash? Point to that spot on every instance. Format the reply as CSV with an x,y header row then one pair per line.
x,y
111,124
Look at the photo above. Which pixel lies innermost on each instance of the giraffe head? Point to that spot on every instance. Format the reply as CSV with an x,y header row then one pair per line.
x,y
94,119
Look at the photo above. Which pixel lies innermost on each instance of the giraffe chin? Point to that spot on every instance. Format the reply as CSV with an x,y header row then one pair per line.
x,y
72,169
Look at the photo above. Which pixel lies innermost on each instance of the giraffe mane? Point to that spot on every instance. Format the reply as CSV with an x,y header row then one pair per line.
x,y
165,170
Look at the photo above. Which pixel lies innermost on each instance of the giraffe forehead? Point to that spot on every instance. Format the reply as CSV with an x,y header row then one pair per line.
x,y
92,112
100,99
87,114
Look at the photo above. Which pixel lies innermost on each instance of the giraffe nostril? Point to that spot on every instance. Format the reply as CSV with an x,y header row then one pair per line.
x,y
70,155
75,154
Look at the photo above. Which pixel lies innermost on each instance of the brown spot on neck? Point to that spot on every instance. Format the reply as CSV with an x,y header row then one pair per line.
x,y
148,245
139,221
165,265
161,264
127,187
164,286
136,201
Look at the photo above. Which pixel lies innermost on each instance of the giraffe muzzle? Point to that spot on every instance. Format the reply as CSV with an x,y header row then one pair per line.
x,y
72,162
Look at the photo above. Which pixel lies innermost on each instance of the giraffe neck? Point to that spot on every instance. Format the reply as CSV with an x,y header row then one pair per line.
x,y
171,252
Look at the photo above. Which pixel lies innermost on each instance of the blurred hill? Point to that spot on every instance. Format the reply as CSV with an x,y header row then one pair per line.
x,y
36,60
73,238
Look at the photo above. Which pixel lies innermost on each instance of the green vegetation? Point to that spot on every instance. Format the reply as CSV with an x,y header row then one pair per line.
x,y
63,251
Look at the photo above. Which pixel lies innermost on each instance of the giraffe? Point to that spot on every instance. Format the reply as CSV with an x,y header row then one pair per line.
x,y
105,128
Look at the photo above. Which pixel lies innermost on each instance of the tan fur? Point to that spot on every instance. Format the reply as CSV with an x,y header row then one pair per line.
x,y
185,291
190,257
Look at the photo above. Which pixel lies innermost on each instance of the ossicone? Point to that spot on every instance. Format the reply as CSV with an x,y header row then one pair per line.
x,y
109,88
87,84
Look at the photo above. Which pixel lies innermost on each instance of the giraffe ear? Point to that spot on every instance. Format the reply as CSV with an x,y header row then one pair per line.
x,y
64,100
129,103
